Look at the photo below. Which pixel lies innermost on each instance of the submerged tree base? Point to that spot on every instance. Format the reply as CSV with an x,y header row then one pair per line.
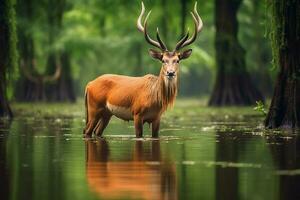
x,y
235,90
285,106
233,85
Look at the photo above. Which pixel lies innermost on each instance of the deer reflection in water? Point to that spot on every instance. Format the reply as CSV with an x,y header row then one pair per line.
x,y
144,175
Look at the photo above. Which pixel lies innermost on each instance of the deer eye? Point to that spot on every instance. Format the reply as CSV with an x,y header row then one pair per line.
x,y
177,61
163,61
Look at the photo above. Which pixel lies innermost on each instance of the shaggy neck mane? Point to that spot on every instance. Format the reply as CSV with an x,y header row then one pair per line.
x,y
163,91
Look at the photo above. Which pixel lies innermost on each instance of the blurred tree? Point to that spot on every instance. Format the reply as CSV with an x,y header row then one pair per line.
x,y
62,89
183,13
8,53
253,24
285,110
25,87
164,20
32,84
39,81
261,53
233,85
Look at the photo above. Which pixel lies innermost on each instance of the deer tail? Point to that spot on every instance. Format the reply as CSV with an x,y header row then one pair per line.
x,y
86,107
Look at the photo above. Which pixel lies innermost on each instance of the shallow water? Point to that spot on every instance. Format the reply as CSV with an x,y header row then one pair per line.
x,y
199,155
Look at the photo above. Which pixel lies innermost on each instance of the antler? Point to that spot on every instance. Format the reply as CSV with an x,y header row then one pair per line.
x,y
26,72
57,73
198,27
160,44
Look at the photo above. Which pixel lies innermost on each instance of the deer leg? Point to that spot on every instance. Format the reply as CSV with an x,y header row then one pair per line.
x,y
138,124
90,127
103,122
93,117
155,127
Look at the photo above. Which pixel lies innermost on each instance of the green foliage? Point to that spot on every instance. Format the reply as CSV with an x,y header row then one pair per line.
x,y
260,107
102,37
8,66
11,15
9,20
279,31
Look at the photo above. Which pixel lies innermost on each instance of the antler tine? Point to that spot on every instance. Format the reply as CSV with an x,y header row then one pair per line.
x,y
149,40
162,44
198,27
139,20
182,40
56,74
27,73
143,29
199,20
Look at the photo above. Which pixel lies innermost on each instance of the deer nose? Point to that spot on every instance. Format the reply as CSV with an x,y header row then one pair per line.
x,y
170,73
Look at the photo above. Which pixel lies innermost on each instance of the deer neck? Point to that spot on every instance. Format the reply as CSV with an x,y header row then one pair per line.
x,y
166,90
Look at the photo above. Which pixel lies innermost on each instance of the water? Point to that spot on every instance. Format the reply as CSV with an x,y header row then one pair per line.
x,y
202,153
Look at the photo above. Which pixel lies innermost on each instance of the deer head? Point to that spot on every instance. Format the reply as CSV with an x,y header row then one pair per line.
x,y
170,59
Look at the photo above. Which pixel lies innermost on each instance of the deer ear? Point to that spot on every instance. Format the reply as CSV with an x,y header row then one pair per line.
x,y
185,54
155,54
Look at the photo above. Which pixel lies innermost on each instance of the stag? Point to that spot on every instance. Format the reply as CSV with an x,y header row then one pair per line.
x,y
141,99
40,80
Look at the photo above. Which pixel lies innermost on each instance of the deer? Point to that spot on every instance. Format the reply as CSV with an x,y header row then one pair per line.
x,y
40,80
141,99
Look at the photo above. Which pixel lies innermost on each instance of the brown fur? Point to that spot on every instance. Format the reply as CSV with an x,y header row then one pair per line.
x,y
141,99
143,95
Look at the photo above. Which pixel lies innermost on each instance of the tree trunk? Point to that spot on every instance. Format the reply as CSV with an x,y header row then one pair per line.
x,y
62,89
183,16
285,106
65,90
233,85
7,52
164,22
25,88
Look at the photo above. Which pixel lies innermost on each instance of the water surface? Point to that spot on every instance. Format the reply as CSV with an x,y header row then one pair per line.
x,y
201,154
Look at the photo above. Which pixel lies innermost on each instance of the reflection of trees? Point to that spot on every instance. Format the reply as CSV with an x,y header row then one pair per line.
x,y
145,175
4,170
32,160
226,177
287,158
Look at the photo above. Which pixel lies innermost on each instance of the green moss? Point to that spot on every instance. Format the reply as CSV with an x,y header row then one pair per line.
x,y
279,26
13,36
9,18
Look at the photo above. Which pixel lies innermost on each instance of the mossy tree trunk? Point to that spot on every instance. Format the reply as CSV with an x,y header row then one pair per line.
x,y
285,106
8,52
233,85
62,89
